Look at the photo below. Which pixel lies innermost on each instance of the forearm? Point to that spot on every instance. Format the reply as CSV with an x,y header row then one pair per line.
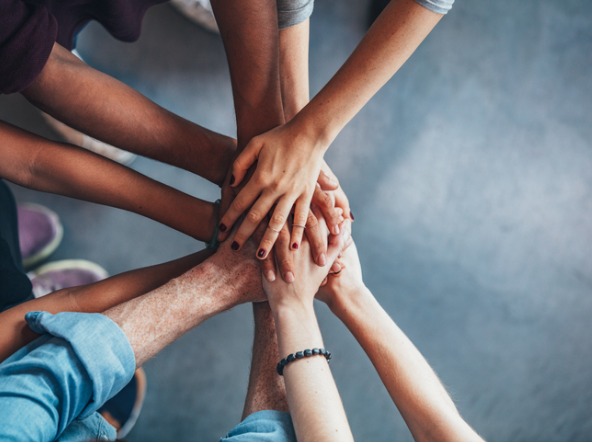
x,y
102,107
250,34
417,392
40,164
156,319
294,42
315,405
93,298
391,40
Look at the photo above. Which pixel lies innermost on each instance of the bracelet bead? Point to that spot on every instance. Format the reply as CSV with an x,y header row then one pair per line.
x,y
302,354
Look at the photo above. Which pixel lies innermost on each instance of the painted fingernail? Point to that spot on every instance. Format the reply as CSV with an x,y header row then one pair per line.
x,y
232,180
322,259
290,277
270,276
352,215
295,246
234,245
261,252
222,228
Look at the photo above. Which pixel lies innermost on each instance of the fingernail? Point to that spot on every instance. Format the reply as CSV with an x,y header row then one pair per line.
x,y
352,215
270,276
290,277
235,246
232,180
336,229
222,228
295,246
261,252
322,259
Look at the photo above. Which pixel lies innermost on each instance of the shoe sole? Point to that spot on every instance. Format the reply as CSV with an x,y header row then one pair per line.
x,y
96,269
141,384
50,248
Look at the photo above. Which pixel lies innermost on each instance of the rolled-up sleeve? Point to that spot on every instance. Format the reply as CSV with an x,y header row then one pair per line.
x,y
27,34
80,362
437,6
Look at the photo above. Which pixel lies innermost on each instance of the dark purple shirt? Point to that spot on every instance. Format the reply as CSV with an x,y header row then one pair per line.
x,y
28,30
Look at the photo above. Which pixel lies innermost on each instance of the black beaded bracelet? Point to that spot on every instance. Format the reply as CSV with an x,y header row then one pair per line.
x,y
302,354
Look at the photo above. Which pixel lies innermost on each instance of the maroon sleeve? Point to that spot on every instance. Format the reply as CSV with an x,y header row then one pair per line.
x,y
27,35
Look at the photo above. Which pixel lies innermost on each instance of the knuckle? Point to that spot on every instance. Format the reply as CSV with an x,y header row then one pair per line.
x,y
311,221
278,219
254,216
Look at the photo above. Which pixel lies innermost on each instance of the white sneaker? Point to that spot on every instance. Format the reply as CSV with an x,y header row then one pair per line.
x,y
64,274
198,11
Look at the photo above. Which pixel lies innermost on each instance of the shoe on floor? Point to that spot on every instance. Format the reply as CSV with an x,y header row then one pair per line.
x,y
64,274
122,411
40,233
198,11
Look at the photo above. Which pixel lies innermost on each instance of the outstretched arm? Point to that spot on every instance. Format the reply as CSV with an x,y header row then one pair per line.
x,y
40,164
103,107
415,389
289,158
45,386
315,405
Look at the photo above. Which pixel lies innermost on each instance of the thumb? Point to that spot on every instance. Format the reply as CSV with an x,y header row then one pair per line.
x,y
244,161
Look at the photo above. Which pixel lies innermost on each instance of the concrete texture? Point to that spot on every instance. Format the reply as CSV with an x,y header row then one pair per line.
x,y
470,176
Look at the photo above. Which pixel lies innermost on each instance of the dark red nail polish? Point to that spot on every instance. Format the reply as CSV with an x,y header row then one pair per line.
x,y
222,228
295,246
261,252
352,215
232,180
234,245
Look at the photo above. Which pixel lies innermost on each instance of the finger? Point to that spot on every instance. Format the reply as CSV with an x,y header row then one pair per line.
x,y
276,222
283,255
317,238
300,219
326,204
253,218
342,201
327,180
338,243
241,203
244,161
268,268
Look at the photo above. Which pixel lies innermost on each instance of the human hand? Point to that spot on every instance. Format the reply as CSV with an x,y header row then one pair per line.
x,y
288,164
310,276
330,184
345,284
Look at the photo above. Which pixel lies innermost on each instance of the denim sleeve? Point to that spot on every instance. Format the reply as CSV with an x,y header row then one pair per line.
x,y
437,6
80,362
292,12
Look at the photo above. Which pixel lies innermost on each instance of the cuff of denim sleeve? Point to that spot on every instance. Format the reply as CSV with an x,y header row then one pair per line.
x,y
437,6
102,347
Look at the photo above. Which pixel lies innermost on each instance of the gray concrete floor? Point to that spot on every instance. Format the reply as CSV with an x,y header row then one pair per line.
x,y
470,176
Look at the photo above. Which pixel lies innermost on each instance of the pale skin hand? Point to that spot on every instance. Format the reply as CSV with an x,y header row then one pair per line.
x,y
289,158
413,386
318,414
250,35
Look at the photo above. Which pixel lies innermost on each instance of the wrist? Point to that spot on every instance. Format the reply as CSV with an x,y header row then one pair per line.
x,y
351,302
315,130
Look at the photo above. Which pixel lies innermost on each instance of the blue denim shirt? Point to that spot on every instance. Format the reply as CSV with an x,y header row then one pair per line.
x,y
50,389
